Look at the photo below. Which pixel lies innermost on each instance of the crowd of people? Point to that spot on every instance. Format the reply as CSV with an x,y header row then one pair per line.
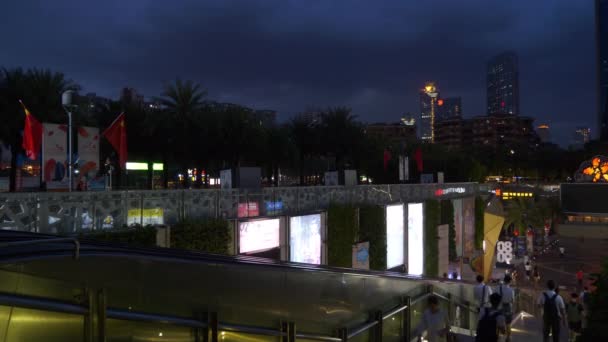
x,y
495,307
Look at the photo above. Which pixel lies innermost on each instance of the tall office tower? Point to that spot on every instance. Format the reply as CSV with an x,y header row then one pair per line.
x,y
601,39
503,84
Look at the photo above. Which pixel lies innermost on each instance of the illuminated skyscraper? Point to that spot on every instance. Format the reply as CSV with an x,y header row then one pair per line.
x,y
601,38
428,112
503,84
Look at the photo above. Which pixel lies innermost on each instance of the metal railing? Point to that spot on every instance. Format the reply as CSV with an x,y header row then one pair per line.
x,y
208,324
210,327
44,241
94,308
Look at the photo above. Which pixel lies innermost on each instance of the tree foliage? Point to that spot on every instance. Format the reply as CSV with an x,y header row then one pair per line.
x,y
211,235
372,228
340,237
447,217
432,212
189,130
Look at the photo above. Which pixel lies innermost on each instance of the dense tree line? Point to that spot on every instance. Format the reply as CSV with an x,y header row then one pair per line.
x,y
187,131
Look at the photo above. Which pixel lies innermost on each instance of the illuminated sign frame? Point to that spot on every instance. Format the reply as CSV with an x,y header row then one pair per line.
x,y
447,191
258,249
395,250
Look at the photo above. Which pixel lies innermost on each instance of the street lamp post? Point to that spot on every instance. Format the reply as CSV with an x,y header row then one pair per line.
x,y
66,101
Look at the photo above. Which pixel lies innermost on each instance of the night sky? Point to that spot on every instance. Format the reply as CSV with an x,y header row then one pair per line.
x,y
286,55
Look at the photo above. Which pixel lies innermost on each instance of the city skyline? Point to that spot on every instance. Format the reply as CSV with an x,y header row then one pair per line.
x,y
289,56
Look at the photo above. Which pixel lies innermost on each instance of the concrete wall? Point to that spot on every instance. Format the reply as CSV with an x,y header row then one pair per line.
x,y
578,230
50,212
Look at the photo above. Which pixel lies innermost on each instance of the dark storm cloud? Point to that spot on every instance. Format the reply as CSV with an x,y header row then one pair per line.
x,y
286,55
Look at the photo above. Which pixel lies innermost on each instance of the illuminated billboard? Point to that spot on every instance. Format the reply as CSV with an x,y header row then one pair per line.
x,y
258,235
394,236
305,239
415,242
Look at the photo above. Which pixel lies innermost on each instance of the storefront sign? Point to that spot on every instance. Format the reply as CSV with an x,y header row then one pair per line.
x,y
249,209
447,191
274,206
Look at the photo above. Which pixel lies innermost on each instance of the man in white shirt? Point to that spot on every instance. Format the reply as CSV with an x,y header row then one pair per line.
x,y
482,293
507,296
554,312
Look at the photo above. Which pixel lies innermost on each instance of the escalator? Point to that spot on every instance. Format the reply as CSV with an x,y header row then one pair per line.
x,y
61,289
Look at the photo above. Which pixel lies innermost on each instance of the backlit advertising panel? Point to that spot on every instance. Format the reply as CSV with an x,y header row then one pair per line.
x,y
305,239
394,236
258,235
415,242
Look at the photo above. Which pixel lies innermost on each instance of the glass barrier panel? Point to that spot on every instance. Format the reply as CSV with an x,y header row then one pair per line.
x,y
231,336
22,325
392,328
129,331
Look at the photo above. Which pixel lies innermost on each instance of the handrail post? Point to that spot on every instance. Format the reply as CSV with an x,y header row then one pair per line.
x,y
343,334
289,329
450,308
377,331
213,326
101,315
469,320
89,318
407,319
202,334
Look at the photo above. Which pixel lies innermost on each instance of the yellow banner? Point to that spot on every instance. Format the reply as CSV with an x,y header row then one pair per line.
x,y
145,216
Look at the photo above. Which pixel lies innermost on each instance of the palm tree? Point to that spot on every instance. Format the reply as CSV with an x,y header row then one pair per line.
x,y
304,136
523,213
40,90
182,99
182,104
341,135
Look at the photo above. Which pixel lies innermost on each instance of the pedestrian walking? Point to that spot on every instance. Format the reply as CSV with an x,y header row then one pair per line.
x,y
536,275
482,293
528,268
507,296
554,312
579,278
574,310
434,322
585,299
492,321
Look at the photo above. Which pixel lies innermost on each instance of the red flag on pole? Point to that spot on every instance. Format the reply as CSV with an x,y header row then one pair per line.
x,y
117,136
418,159
387,158
32,135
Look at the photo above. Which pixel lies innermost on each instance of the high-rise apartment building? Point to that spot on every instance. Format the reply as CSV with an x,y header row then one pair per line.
x,y
582,135
490,131
601,38
543,133
503,84
428,112
449,108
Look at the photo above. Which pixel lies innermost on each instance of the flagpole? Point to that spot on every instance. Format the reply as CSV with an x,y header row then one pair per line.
x,y
66,101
